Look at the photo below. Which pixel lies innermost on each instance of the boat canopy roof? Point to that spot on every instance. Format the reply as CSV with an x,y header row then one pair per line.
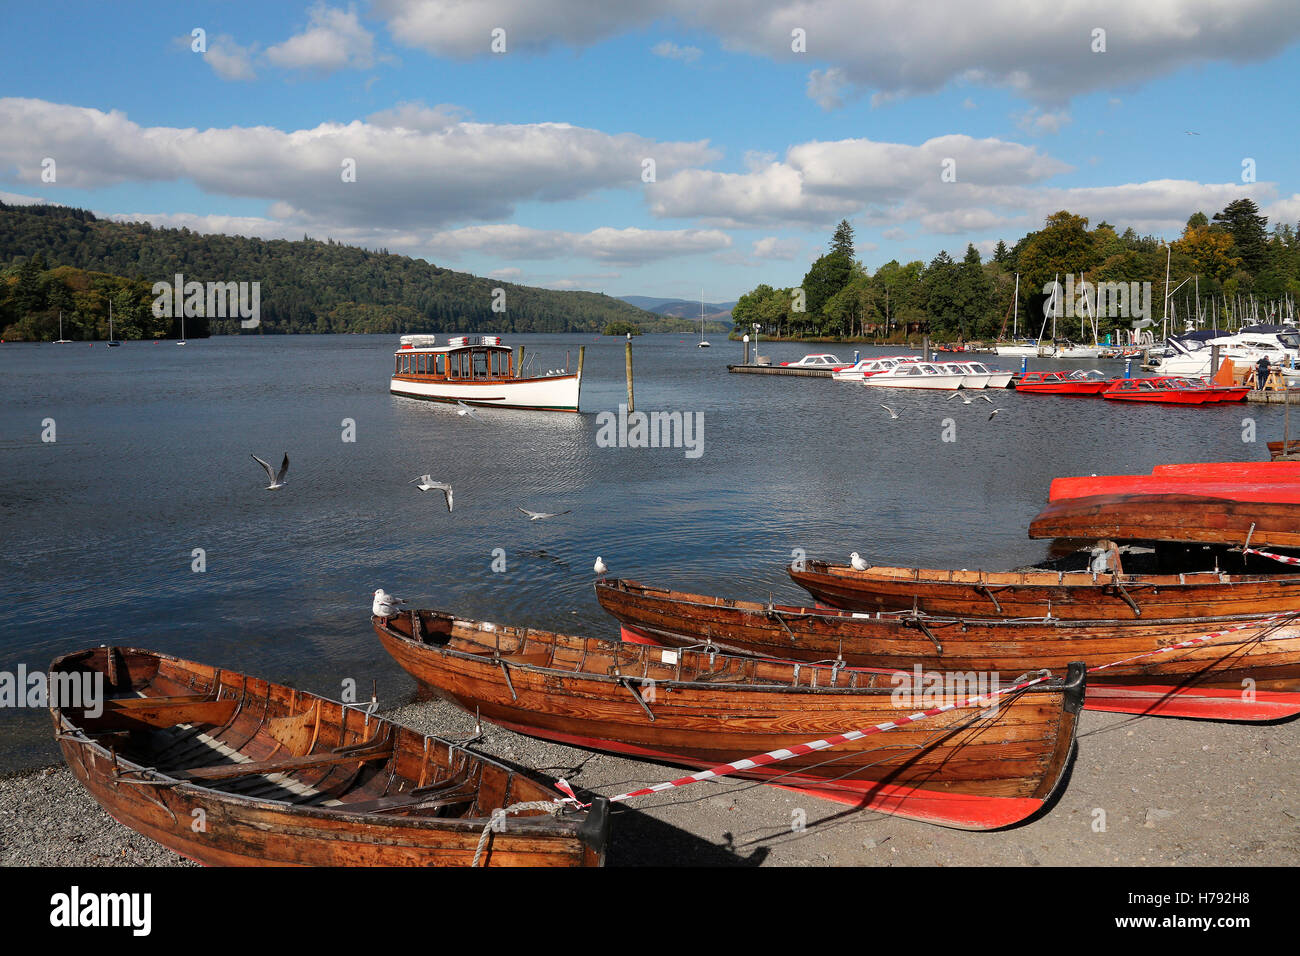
x,y
428,343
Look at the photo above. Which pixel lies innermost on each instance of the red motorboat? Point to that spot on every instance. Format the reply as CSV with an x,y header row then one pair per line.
x,y
1062,383
1213,392
1156,390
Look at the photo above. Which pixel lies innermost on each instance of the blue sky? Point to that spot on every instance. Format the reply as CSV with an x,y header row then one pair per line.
x,y
527,164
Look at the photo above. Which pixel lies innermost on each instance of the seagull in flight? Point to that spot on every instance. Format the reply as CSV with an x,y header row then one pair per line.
x,y
893,415
994,412
385,605
965,399
277,478
467,410
600,568
426,483
857,562
539,515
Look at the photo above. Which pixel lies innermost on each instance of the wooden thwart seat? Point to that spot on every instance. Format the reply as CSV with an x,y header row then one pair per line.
x,y
138,712
357,753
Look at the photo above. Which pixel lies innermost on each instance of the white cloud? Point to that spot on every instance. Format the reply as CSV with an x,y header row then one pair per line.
x,y
770,247
228,59
631,246
404,177
333,40
831,88
670,50
1043,122
895,49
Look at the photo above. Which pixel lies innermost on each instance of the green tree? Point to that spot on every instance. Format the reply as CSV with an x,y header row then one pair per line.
x,y
1249,232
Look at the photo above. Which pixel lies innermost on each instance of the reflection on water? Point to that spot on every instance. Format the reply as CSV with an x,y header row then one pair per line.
x,y
152,462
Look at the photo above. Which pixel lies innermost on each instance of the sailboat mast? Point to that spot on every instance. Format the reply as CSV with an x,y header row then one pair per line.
x,y
1015,313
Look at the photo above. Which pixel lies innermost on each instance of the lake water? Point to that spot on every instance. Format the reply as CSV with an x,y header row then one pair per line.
x,y
151,461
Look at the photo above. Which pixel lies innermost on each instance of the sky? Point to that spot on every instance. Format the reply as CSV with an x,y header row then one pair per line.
x,y
670,149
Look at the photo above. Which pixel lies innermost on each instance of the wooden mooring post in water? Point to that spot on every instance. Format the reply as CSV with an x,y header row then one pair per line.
x,y
631,405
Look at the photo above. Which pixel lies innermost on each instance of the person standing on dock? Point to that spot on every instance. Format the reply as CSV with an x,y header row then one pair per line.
x,y
1261,373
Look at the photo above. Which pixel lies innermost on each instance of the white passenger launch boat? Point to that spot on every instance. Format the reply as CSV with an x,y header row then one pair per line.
x,y
478,370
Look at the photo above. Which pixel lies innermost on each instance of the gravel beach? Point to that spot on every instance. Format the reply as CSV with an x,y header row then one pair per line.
x,y
1169,793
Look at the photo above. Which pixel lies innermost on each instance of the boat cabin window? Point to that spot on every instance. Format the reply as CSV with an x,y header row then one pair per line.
x,y
480,363
440,364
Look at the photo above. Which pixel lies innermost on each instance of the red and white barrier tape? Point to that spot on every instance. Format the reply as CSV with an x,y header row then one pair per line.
x,y
1285,559
1192,642
776,756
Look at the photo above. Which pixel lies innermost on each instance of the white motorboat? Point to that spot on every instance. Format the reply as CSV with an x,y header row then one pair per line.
x,y
979,375
871,366
478,370
918,375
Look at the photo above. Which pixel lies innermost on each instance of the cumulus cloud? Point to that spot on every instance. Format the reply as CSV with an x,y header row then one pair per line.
x,y
404,177
631,246
228,59
770,247
1041,122
822,181
831,88
1046,56
672,51
333,40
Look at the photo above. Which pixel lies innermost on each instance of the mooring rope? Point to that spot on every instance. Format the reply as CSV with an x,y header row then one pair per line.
x,y
499,816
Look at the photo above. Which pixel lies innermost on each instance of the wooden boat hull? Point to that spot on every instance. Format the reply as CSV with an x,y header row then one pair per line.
x,y
1200,681
960,768
1284,489
555,393
1066,595
1173,517
326,808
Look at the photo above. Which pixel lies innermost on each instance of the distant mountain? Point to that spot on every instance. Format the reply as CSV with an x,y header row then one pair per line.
x,y
681,308
305,285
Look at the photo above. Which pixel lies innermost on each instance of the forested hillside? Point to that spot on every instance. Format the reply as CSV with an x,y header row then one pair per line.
x,y
56,258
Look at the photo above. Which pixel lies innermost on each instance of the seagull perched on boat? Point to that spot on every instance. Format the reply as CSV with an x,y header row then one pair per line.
x,y
426,483
277,478
385,605
539,515
994,412
892,414
857,562
599,568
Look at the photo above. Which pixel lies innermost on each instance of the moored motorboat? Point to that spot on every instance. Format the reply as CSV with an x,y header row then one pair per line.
x,y
918,375
974,767
1062,383
870,366
478,370
229,769
1204,680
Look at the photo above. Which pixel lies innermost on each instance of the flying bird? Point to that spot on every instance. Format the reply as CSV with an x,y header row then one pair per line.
x,y
892,414
539,515
965,399
987,399
385,605
467,410
426,483
277,478
994,412
857,562
599,567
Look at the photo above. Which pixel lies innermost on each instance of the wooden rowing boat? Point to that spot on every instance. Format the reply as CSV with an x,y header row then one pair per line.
x,y
234,770
964,768
1202,681
1172,517
1281,451
1282,489
1070,595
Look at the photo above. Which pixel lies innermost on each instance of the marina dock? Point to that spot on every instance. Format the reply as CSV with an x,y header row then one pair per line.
x,y
1274,397
781,370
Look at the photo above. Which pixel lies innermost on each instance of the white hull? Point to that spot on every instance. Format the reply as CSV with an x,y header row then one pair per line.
x,y
975,381
1000,379
944,382
1078,352
1020,351
551,392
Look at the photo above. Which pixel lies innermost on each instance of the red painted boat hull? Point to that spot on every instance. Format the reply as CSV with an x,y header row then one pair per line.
x,y
1286,490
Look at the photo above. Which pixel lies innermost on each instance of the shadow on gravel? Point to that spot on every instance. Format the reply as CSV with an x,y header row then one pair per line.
x,y
637,839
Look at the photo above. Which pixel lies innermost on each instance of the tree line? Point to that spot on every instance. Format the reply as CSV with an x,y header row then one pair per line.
x,y
56,258
1229,260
